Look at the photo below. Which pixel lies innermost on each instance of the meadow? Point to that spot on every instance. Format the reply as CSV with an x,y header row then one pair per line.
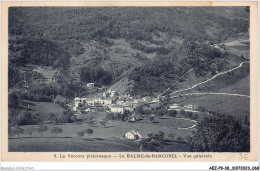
x,y
231,105
109,138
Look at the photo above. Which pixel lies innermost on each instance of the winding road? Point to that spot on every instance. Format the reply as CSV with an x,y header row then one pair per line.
x,y
194,86
206,93
221,73
190,127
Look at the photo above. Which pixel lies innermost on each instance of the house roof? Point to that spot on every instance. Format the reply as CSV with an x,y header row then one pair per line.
x,y
133,132
117,106
107,98
128,99
138,101
121,99
94,96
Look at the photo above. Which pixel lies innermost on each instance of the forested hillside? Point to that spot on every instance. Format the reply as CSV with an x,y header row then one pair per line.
x,y
152,46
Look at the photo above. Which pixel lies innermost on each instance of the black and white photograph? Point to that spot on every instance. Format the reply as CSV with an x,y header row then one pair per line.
x,y
129,79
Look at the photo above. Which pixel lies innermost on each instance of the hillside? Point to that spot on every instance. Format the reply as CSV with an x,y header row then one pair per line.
x,y
151,47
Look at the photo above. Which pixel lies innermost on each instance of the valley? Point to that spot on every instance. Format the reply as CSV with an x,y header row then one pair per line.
x,y
128,79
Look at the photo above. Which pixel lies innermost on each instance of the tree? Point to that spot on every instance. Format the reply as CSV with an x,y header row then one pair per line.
x,y
172,113
139,110
17,130
52,117
161,112
188,114
180,139
30,130
171,136
26,119
152,119
13,99
195,116
80,134
56,130
161,136
89,132
42,128
167,97
221,133
182,112
103,122
110,116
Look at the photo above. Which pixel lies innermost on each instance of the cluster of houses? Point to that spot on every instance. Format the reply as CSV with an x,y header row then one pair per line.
x,y
109,100
187,108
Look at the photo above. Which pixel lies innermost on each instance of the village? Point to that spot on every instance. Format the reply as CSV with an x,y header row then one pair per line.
x,y
111,102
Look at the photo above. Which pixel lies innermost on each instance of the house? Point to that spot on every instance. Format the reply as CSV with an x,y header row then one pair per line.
x,y
112,93
107,101
134,117
174,106
90,85
147,99
77,100
132,135
154,105
74,108
190,107
118,109
120,101
105,94
138,102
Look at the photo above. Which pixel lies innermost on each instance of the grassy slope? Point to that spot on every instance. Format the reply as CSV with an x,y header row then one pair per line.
x,y
42,108
118,128
81,145
238,47
103,139
242,87
232,105
228,80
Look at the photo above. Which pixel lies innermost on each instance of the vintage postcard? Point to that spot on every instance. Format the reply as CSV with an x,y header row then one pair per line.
x,y
129,81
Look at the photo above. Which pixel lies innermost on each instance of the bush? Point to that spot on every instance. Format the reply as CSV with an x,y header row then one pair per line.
x,y
195,116
180,139
172,113
171,136
182,112
89,131
110,116
56,130
80,134
152,119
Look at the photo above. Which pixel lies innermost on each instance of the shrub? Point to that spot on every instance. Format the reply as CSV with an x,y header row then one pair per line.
x,y
56,130
80,134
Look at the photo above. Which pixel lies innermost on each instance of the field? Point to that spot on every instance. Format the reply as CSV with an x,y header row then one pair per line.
x,y
228,79
47,72
109,138
84,145
239,47
231,105
44,109
242,87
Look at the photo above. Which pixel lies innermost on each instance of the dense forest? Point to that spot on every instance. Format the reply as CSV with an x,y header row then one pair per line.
x,y
180,38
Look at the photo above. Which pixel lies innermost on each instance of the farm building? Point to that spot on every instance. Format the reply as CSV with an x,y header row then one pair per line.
x,y
90,85
174,106
138,102
118,109
133,135
190,107
147,99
